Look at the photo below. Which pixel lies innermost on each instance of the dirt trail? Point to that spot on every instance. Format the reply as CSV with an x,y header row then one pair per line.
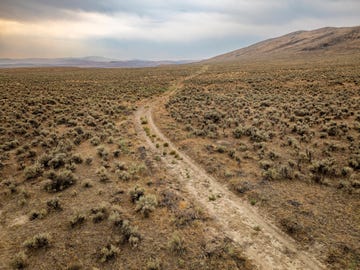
x,y
265,244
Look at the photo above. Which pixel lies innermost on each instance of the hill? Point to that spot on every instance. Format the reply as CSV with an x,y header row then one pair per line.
x,y
323,41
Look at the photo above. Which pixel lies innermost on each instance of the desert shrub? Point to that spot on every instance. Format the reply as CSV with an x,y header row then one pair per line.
x,y
176,244
88,161
136,193
323,167
12,186
265,164
41,240
44,160
120,166
60,181
240,186
116,153
214,116
129,234
221,149
54,204
31,154
270,174
123,175
95,141
115,218
238,132
144,121
286,172
10,145
77,159
103,174
38,214
99,214
87,183
110,140
355,181
102,152
58,161
108,253
333,130
124,146
354,162
33,172
273,156
153,264
21,150
20,261
186,216
74,266
146,204
346,171
77,220
137,169
293,227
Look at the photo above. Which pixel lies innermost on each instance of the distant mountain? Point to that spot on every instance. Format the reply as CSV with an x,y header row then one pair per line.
x,y
88,62
320,42
98,59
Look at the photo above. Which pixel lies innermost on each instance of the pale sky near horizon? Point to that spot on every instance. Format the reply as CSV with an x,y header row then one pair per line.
x,y
158,29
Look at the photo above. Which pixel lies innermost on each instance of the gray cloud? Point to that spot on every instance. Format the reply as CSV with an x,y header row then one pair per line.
x,y
193,28
270,10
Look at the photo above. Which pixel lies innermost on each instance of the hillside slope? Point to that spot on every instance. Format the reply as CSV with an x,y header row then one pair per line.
x,y
329,41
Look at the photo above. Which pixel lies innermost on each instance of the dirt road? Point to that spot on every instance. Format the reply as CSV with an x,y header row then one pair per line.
x,y
265,244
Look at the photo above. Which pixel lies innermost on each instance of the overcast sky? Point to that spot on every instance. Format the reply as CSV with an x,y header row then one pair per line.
x,y
158,29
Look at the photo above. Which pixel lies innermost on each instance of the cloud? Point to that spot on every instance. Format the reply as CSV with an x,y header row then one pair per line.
x,y
78,23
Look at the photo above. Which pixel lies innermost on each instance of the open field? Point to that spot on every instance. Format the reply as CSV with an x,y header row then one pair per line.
x,y
78,188
207,166
285,138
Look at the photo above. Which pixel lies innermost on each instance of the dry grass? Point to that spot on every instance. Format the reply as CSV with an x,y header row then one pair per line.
x,y
286,138
69,162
